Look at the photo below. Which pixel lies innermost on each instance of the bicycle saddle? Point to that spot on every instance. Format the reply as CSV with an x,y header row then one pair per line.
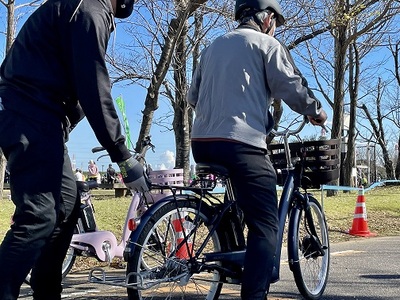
x,y
203,169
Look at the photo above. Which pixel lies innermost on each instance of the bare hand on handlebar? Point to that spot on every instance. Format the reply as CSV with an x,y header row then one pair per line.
x,y
320,119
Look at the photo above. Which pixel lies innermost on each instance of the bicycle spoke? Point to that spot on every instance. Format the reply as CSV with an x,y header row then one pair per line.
x,y
165,257
310,252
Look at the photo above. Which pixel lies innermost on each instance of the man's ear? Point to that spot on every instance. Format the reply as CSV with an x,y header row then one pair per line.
x,y
267,21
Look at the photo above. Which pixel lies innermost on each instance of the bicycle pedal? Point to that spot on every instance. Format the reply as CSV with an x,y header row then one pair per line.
x,y
233,280
235,275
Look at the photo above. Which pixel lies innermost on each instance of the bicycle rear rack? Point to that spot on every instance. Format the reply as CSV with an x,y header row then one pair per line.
x,y
98,275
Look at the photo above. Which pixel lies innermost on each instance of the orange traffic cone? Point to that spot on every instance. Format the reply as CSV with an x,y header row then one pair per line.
x,y
360,223
181,231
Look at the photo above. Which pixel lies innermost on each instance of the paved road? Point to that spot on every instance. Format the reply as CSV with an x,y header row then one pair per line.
x,y
363,269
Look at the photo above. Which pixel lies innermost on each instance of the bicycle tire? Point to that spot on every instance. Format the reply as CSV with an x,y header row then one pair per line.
x,y
67,265
155,259
310,270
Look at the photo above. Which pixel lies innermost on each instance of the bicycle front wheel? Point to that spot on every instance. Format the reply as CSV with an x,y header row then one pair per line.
x,y
308,250
161,267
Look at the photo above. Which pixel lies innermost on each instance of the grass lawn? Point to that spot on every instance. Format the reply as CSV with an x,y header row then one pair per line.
x,y
383,212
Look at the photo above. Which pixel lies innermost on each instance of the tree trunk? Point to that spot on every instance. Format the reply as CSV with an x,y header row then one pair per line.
x,y
379,134
340,34
174,31
181,117
354,72
151,101
397,172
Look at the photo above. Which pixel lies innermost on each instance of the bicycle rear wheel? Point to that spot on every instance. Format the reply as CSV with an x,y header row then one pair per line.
x,y
161,269
309,254
67,265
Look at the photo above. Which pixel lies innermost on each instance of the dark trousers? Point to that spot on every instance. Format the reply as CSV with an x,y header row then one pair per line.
x,y
254,181
43,189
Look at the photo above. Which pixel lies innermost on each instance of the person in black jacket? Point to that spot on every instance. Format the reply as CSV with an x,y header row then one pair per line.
x,y
55,74
110,174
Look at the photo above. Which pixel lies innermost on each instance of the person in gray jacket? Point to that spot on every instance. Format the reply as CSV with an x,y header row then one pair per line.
x,y
238,76
54,74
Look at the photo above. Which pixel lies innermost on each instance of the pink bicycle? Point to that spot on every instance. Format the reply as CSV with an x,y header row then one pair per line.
x,y
89,240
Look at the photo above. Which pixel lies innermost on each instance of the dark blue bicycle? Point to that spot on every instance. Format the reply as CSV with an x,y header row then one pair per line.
x,y
191,243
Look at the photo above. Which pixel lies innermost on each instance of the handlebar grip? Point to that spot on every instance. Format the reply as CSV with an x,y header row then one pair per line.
x,y
98,149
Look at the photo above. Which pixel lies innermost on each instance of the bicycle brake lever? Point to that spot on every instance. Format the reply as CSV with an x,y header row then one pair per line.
x,y
324,128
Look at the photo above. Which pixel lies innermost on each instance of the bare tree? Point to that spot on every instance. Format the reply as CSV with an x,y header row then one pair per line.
x,y
157,62
395,50
183,115
335,64
354,75
378,128
181,112
170,40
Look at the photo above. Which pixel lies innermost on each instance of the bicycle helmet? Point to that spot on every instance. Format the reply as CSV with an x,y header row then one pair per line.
x,y
253,6
124,8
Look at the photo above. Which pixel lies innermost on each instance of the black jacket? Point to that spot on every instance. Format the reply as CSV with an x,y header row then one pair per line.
x,y
58,62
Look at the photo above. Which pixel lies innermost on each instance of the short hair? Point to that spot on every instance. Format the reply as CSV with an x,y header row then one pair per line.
x,y
255,16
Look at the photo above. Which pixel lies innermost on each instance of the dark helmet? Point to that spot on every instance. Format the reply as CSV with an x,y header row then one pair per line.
x,y
124,8
260,5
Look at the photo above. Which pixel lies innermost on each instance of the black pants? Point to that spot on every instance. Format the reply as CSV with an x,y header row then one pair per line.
x,y
254,181
43,189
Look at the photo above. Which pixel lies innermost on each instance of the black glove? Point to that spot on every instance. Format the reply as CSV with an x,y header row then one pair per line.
x,y
133,175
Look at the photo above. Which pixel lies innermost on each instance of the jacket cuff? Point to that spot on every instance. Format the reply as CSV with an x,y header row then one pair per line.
x,y
119,153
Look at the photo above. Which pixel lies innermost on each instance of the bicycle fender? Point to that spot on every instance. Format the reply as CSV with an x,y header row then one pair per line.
x,y
144,219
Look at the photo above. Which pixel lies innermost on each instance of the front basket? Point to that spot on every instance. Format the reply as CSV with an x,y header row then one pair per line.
x,y
321,164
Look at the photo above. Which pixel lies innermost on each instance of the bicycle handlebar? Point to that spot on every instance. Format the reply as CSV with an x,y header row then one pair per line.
x,y
146,145
98,149
288,132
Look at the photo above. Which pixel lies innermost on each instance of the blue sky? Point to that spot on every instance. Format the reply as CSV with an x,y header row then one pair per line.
x,y
82,138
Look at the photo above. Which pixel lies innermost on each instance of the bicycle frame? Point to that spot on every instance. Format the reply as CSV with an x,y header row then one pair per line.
x,y
289,197
289,193
103,244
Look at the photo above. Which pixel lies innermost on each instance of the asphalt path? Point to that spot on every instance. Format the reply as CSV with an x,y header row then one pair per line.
x,y
361,269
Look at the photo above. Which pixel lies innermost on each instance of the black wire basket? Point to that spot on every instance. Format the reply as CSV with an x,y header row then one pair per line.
x,y
321,160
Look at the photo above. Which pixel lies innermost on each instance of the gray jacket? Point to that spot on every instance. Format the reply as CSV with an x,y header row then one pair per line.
x,y
233,86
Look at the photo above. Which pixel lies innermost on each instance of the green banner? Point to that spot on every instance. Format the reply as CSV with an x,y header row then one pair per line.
x,y
121,106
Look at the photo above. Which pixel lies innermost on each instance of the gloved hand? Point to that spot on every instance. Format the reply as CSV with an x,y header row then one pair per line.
x,y
133,175
320,119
